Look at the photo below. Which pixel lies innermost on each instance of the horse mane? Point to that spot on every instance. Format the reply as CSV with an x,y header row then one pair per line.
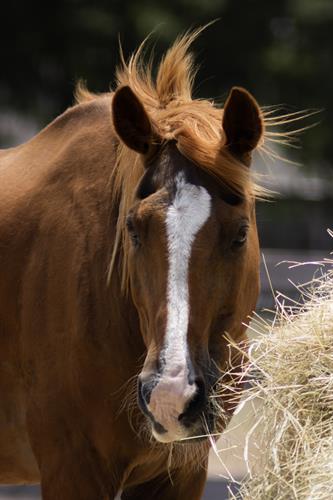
x,y
195,124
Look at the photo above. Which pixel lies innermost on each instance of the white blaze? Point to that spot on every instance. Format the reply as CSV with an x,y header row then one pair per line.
x,y
186,215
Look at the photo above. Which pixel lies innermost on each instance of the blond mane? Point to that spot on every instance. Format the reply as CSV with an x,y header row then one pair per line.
x,y
195,124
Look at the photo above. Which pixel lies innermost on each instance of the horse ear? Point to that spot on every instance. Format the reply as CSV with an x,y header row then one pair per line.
x,y
131,120
242,122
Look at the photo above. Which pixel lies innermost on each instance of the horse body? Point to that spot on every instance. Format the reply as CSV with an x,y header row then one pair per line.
x,y
72,345
51,262
69,345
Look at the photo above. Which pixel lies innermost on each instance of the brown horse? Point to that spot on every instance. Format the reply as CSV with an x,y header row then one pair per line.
x,y
128,247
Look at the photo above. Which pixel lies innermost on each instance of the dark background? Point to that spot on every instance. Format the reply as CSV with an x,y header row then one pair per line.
x,y
281,51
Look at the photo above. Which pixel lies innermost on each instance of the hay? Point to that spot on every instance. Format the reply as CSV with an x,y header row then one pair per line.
x,y
291,371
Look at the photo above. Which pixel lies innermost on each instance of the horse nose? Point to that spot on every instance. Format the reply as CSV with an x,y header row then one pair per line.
x,y
145,387
195,405
174,403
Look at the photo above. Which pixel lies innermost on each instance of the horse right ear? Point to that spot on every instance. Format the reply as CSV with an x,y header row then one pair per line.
x,y
131,120
242,122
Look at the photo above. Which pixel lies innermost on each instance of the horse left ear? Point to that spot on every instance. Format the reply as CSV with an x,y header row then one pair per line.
x,y
242,122
131,120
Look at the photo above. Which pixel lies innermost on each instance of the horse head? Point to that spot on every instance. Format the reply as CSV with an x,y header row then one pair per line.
x,y
193,262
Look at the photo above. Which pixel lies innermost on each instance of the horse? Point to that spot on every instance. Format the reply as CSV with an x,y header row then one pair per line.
x,y
128,248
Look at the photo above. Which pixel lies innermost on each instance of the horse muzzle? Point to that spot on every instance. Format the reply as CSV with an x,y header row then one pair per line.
x,y
175,405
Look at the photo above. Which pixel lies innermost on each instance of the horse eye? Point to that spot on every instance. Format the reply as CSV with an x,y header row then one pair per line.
x,y
131,229
135,239
241,238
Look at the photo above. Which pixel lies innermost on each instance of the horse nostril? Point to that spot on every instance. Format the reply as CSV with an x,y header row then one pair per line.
x,y
145,388
142,401
196,405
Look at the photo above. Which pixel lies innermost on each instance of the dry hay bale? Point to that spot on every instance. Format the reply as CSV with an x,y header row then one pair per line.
x,y
291,369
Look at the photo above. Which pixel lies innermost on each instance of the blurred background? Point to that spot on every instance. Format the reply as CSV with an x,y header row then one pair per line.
x,y
280,51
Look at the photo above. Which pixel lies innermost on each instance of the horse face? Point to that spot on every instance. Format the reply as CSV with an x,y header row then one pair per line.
x,y
193,262
194,275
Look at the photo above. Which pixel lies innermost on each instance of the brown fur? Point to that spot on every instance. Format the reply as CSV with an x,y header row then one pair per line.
x,y
194,123
71,344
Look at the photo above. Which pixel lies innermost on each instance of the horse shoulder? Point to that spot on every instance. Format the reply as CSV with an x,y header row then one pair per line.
x,y
53,215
